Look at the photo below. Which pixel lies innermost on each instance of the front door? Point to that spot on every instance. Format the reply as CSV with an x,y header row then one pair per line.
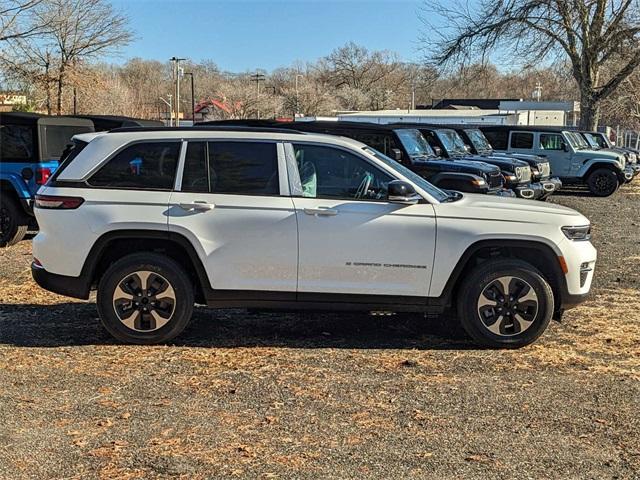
x,y
234,207
353,241
553,147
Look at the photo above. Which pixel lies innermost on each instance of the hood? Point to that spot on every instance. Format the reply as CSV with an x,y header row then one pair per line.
x,y
457,165
604,153
489,207
505,163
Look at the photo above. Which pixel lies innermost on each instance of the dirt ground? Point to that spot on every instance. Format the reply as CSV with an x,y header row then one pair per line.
x,y
247,395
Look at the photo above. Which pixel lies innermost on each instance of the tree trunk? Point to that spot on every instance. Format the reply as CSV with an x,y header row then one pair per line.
x,y
61,77
589,111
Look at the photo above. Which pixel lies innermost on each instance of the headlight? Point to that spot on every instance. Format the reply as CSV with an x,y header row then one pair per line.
x,y
577,233
478,181
523,174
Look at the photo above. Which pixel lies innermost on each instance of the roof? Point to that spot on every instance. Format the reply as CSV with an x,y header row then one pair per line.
x,y
27,118
107,122
528,128
207,128
483,103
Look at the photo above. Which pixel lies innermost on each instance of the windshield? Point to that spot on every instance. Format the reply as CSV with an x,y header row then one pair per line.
x,y
434,191
414,143
601,139
478,140
592,141
451,141
578,140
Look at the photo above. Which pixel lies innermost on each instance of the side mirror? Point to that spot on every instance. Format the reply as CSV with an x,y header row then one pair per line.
x,y
397,154
437,151
565,147
399,191
467,148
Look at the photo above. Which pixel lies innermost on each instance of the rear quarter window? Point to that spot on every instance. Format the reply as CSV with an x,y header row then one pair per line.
x,y
522,140
141,166
17,143
497,138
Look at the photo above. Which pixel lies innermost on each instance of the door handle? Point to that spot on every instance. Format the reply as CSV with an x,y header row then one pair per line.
x,y
324,211
197,205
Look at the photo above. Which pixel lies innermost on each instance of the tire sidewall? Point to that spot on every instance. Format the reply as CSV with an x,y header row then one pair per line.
x,y
17,222
164,266
479,280
599,173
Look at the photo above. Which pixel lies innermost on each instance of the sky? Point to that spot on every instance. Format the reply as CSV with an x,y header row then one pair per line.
x,y
245,35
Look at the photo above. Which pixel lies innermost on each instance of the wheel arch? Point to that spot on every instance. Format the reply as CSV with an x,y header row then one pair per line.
x,y
537,253
591,166
116,244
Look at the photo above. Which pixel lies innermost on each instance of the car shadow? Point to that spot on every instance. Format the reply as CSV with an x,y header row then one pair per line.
x,y
77,324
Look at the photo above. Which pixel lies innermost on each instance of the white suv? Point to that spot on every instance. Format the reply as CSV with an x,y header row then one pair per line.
x,y
159,219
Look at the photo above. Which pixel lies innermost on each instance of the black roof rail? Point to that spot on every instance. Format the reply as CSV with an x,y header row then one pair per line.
x,y
207,128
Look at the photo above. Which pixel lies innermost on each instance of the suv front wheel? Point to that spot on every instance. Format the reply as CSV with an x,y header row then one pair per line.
x,y
505,304
13,222
145,298
603,182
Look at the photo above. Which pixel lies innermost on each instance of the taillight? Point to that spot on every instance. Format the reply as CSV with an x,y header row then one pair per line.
x,y
42,175
58,203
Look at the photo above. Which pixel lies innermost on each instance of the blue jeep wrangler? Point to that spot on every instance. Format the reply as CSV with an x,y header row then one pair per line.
x,y
30,148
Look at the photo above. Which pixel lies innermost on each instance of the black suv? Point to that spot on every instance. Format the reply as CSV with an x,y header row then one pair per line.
x,y
518,174
406,146
478,144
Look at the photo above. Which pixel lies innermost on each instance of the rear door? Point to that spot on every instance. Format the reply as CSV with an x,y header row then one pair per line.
x,y
232,202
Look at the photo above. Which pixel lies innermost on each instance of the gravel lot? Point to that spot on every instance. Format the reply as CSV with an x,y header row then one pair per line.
x,y
326,396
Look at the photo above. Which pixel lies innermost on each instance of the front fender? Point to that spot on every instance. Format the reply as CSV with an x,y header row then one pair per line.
x,y
597,163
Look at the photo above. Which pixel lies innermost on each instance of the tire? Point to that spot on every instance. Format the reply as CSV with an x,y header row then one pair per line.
x,y
603,182
14,223
169,303
533,301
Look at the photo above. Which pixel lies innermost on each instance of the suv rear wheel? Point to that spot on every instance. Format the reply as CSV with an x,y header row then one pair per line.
x,y
13,222
145,298
505,304
603,182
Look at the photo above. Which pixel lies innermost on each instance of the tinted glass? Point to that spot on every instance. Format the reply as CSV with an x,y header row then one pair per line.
x,y
141,166
551,141
68,155
497,138
55,138
380,141
333,173
521,140
195,177
16,143
246,168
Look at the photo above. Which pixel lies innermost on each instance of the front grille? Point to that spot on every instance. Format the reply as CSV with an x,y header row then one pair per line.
x,y
545,169
495,180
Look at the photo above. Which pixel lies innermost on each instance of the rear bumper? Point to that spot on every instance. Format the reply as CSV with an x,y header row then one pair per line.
x,y
76,287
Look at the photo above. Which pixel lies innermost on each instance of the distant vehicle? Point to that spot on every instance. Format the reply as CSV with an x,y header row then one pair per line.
x,y
568,153
478,144
109,122
599,141
30,147
408,147
159,219
518,173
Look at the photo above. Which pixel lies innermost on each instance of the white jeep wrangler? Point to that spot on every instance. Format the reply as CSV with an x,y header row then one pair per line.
x,y
159,219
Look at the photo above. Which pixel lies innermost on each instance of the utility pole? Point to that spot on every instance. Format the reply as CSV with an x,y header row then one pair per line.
x,y
176,76
170,109
258,77
537,92
193,99
295,114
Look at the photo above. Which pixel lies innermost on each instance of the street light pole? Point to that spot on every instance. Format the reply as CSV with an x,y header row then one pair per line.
x,y
170,109
298,75
176,72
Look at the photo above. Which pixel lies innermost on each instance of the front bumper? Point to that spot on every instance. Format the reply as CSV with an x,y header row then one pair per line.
x,y
505,192
629,173
530,191
551,185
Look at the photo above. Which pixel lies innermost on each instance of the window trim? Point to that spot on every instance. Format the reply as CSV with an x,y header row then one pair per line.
x,y
281,165
347,150
541,148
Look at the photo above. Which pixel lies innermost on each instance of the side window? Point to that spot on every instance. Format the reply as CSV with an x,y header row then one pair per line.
x,y
379,142
195,176
245,168
522,140
551,142
497,138
327,172
16,143
150,165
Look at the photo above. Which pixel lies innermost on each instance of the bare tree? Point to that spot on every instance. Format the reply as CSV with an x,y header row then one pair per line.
x,y
586,32
16,20
80,30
